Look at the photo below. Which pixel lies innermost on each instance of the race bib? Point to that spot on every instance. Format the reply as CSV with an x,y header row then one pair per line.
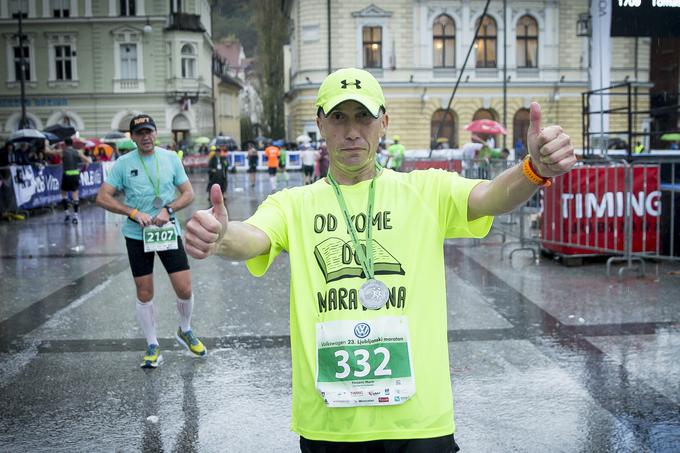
x,y
364,363
159,239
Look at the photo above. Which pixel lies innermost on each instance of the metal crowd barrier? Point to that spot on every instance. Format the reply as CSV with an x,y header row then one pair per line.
x,y
610,207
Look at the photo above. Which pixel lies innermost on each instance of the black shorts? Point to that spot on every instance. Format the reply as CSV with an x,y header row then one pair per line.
x,y
141,263
271,171
308,170
444,444
252,168
70,183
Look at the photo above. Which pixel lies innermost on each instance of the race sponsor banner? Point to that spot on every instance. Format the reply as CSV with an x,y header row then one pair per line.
x,y
589,206
37,186
196,161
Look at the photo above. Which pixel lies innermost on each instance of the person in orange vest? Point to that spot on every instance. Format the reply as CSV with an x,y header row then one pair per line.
x,y
272,153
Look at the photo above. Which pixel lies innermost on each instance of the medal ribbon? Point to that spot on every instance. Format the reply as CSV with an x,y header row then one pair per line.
x,y
157,186
365,259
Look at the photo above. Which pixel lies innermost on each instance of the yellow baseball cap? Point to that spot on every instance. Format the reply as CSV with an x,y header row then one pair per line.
x,y
351,84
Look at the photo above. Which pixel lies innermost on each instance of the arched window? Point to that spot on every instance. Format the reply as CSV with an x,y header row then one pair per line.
x,y
527,42
188,62
486,43
444,42
448,137
520,127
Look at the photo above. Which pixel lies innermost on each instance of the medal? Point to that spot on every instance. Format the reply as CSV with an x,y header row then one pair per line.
x,y
157,201
373,294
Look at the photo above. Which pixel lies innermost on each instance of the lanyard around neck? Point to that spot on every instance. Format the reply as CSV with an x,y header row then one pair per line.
x,y
365,258
157,186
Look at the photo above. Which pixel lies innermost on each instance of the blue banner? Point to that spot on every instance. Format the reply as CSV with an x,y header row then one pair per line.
x,y
37,186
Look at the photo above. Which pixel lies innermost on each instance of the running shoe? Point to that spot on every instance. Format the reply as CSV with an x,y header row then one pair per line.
x,y
153,357
67,218
189,341
74,220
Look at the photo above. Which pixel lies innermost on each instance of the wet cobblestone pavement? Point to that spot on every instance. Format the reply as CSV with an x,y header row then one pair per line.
x,y
545,358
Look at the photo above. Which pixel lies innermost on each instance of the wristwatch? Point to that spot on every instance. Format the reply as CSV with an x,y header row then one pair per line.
x,y
171,211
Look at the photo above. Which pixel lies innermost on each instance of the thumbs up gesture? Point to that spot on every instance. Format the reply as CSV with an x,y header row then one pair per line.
x,y
206,228
551,151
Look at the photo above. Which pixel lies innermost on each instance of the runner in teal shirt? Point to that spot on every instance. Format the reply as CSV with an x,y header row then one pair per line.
x,y
151,177
129,175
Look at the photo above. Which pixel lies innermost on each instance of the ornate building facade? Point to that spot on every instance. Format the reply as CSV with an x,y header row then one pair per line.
x,y
417,50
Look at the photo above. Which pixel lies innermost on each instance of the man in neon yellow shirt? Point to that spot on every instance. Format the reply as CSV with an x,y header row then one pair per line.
x,y
396,154
368,312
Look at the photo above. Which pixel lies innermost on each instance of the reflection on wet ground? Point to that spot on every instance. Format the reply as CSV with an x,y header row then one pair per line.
x,y
544,357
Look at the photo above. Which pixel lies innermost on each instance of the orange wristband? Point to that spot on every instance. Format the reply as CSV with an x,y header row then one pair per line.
x,y
133,213
532,176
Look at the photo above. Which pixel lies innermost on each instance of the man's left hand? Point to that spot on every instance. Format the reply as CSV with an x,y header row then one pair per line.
x,y
162,218
551,151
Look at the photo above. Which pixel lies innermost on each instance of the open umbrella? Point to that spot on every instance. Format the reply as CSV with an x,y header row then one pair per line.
x,y
52,138
103,149
26,135
304,138
671,137
113,136
202,140
60,130
126,145
485,126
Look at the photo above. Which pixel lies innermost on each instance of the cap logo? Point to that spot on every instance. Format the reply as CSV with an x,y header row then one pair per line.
x,y
345,84
141,120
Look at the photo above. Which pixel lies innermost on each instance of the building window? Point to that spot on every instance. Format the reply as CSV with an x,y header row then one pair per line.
x,y
447,135
486,43
127,8
63,60
444,42
17,7
527,42
188,62
175,6
17,62
372,38
60,8
128,61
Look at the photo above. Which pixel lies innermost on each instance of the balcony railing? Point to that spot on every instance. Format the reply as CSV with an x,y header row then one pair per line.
x,y
128,85
185,22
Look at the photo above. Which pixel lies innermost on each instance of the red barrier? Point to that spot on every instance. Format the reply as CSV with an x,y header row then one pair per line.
x,y
589,207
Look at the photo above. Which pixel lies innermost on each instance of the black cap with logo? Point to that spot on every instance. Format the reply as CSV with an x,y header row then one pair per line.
x,y
140,122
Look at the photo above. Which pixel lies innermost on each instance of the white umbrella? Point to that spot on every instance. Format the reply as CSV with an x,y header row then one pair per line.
x,y
26,135
304,138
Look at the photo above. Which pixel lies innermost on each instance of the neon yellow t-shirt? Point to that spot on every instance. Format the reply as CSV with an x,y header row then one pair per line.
x,y
413,214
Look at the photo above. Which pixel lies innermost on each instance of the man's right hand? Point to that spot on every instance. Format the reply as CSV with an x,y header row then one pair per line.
x,y
206,228
143,219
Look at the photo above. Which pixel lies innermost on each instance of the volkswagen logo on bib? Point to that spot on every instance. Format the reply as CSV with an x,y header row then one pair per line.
x,y
362,330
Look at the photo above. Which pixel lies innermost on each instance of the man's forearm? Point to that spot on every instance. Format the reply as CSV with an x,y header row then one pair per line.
x,y
181,202
243,241
503,194
111,204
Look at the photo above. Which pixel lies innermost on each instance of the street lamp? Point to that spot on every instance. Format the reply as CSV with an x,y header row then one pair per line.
x,y
147,27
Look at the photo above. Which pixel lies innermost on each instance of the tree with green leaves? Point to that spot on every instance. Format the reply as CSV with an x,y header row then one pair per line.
x,y
272,33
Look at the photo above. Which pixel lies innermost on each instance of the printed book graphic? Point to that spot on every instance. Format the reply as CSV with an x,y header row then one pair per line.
x,y
337,261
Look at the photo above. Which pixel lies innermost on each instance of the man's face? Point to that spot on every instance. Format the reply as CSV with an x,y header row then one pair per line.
x,y
352,135
145,139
